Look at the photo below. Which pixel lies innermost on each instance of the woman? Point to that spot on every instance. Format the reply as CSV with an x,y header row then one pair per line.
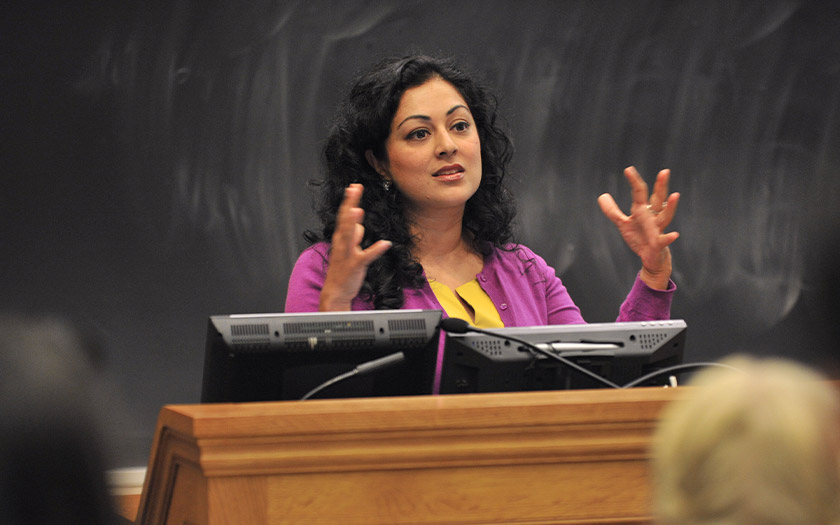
x,y
415,212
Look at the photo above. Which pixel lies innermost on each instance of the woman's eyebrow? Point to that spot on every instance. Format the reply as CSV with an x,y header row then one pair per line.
x,y
426,117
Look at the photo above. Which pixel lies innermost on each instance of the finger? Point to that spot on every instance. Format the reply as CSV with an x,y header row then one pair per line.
x,y
375,251
345,235
349,214
352,198
355,192
669,209
638,186
611,209
666,239
660,190
358,234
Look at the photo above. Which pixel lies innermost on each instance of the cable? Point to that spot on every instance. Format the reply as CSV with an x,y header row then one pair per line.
x,y
675,368
459,326
364,368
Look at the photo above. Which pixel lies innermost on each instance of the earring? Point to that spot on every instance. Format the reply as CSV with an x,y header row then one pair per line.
x,y
386,184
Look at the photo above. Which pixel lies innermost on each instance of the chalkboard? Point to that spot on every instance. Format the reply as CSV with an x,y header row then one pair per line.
x,y
156,154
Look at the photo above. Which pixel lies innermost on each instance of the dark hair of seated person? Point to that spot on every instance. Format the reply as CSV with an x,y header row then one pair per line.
x,y
51,462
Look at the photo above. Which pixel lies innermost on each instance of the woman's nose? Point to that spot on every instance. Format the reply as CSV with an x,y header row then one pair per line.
x,y
445,146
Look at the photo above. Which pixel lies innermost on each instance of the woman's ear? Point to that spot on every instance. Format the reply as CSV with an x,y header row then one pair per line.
x,y
377,164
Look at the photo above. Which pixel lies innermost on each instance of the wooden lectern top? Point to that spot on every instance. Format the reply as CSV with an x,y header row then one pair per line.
x,y
536,457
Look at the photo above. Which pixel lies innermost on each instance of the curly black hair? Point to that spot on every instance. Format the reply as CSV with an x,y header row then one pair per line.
x,y
363,123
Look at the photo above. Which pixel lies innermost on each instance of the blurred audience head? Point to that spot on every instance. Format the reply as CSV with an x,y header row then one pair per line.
x,y
757,444
51,462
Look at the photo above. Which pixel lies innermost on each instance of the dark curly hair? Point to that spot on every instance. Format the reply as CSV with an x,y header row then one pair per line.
x,y
363,123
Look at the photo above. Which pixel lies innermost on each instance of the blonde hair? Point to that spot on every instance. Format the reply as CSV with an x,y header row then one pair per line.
x,y
756,445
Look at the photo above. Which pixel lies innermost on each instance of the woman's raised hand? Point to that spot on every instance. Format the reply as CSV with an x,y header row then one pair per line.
x,y
643,229
348,261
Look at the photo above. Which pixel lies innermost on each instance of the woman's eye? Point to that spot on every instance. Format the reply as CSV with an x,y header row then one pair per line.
x,y
418,134
461,126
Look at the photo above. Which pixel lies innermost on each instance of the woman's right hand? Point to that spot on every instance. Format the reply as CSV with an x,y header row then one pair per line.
x,y
348,261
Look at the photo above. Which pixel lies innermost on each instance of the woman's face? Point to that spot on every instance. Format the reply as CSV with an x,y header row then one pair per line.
x,y
434,153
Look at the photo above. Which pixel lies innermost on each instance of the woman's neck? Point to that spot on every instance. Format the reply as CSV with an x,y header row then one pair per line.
x,y
438,235
444,251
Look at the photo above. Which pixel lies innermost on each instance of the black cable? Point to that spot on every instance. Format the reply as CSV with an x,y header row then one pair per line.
x,y
364,368
459,326
675,368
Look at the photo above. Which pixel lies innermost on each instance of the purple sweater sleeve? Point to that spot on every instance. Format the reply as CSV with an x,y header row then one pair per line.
x,y
527,292
643,303
307,279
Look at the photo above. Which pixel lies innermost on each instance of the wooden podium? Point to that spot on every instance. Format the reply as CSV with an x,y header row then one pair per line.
x,y
527,458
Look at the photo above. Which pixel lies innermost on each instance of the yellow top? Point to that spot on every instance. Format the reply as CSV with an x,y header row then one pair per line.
x,y
486,315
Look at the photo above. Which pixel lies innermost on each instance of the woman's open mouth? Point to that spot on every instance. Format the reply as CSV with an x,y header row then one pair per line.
x,y
450,173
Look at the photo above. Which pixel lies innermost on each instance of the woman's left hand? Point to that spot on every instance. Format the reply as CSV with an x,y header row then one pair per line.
x,y
643,229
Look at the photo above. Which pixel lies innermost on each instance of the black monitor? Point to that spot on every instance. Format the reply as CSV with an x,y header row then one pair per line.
x,y
275,357
618,352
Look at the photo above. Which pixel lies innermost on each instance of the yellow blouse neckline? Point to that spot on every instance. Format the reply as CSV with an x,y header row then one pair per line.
x,y
486,314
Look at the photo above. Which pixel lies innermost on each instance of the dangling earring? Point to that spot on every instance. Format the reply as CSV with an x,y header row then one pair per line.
x,y
386,184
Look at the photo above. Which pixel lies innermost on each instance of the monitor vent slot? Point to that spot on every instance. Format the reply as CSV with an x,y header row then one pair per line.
x,y
252,335
489,347
407,325
650,341
407,332
326,328
319,335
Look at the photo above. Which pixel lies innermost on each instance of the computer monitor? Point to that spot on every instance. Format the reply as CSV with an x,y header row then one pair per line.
x,y
284,356
618,352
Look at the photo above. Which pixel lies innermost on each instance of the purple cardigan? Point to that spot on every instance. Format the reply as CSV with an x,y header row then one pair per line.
x,y
524,288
